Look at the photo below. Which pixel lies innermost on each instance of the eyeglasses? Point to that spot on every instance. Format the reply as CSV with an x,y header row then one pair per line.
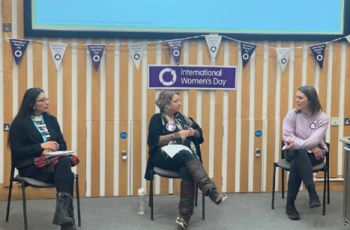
x,y
44,100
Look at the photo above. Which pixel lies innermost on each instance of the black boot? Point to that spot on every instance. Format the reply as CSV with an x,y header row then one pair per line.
x,y
203,181
314,200
186,203
62,205
69,226
291,211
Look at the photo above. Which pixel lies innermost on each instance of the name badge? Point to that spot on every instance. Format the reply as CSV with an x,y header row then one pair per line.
x,y
170,126
313,125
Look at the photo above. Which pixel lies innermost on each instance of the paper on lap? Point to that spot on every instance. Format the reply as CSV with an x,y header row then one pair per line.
x,y
172,150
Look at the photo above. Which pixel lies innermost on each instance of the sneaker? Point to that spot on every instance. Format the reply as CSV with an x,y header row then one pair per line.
x,y
217,198
181,222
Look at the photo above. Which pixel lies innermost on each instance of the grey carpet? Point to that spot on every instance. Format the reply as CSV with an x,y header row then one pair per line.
x,y
240,211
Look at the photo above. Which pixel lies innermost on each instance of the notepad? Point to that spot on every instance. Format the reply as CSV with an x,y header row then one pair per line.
x,y
61,153
172,150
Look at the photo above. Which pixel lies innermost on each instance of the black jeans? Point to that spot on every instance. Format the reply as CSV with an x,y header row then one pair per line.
x,y
177,163
62,177
301,162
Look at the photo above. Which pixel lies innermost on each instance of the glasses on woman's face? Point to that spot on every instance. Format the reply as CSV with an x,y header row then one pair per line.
x,y
43,100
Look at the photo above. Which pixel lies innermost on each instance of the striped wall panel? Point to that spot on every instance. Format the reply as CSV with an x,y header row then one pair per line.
x,y
94,107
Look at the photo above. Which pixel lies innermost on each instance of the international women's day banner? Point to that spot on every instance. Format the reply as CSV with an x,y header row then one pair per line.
x,y
192,77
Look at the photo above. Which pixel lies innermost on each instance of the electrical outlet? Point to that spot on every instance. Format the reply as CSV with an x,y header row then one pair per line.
x,y
347,121
335,121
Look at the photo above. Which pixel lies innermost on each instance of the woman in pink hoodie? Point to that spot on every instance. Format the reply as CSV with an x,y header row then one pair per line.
x,y
304,132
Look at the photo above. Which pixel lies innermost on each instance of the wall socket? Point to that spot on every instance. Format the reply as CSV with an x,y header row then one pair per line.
x,y
347,121
335,121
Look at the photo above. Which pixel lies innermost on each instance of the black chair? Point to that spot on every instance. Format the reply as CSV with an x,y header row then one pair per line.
x,y
285,166
174,175
25,182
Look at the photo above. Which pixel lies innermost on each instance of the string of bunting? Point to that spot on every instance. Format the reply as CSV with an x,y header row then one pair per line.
x,y
136,50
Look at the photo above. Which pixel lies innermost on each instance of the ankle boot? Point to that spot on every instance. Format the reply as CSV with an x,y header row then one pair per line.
x,y
62,205
186,203
69,226
203,181
291,211
314,200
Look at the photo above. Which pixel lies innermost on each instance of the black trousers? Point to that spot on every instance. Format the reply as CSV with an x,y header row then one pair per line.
x,y
177,163
300,170
62,177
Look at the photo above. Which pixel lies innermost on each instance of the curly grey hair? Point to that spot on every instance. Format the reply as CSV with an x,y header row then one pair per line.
x,y
164,100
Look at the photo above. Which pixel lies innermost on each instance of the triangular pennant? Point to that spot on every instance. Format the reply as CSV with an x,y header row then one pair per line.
x,y
175,49
57,51
96,52
283,55
213,42
136,50
348,38
318,52
18,48
246,51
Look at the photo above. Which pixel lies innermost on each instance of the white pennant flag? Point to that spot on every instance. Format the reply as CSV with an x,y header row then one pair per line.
x,y
136,50
213,42
57,51
283,55
348,38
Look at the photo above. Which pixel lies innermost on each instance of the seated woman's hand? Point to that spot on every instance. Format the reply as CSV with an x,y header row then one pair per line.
x,y
184,134
50,145
46,151
318,152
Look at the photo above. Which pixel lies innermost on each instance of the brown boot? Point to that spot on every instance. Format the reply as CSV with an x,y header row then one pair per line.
x,y
203,181
186,203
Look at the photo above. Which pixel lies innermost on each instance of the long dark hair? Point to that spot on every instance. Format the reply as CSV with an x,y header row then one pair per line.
x,y
26,110
312,97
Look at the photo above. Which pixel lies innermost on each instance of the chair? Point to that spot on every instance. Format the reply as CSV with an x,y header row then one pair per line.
x,y
285,166
25,182
174,175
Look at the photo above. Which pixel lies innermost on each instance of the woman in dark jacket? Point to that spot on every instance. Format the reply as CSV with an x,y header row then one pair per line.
x,y
171,127
33,134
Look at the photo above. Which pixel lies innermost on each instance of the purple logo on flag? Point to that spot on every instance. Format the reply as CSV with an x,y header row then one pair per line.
x,y
175,49
318,52
18,47
192,77
246,51
96,52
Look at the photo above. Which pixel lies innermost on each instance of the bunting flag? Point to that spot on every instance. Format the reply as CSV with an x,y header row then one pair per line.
x,y
246,51
57,51
136,50
96,52
318,52
18,47
175,49
213,42
283,55
348,38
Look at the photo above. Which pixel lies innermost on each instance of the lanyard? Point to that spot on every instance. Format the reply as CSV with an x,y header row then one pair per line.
x,y
37,127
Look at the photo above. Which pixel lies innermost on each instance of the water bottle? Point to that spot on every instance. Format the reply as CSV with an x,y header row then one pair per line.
x,y
141,206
